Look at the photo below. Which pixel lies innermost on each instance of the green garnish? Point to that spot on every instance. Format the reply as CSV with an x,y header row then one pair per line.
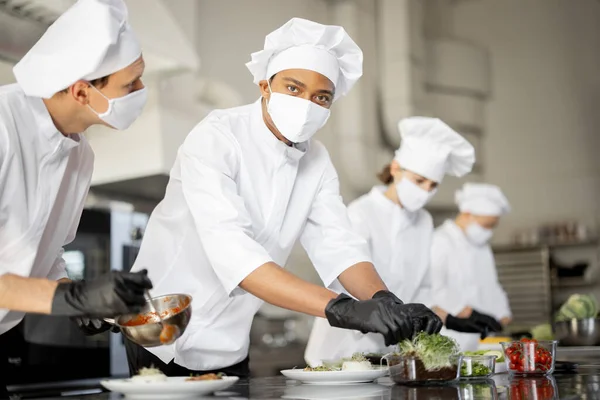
x,y
435,351
477,369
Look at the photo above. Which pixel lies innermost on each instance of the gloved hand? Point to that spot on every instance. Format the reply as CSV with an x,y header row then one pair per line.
x,y
93,326
422,318
115,293
475,323
384,314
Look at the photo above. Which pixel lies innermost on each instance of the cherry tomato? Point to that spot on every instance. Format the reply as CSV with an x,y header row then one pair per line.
x,y
512,366
509,351
515,358
520,368
525,340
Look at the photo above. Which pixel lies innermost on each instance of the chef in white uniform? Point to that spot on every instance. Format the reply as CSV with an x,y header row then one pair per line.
x,y
85,70
247,184
399,231
464,277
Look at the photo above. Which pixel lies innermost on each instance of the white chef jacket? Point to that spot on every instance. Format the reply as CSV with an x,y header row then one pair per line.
x,y
400,244
238,198
44,180
464,274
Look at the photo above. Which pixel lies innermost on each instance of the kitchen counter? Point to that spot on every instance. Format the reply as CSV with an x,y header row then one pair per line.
x,y
585,384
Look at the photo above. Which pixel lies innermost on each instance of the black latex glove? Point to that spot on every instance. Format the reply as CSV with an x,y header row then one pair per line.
x,y
115,293
384,314
422,318
476,323
93,326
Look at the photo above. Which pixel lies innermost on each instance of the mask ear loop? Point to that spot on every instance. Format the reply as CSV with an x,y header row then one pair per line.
x,y
101,94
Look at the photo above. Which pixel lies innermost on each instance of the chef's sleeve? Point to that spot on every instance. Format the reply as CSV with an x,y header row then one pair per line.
x,y
499,294
59,268
443,294
209,161
328,237
359,223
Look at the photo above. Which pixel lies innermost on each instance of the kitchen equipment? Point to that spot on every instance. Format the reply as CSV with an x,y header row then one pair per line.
x,y
145,328
477,367
527,357
578,332
410,370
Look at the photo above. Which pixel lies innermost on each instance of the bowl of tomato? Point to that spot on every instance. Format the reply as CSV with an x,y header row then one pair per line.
x,y
529,356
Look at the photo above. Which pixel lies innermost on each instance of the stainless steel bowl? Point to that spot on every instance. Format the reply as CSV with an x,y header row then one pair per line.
x,y
175,311
578,332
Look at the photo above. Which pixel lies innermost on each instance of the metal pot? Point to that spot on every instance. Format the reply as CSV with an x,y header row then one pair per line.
x,y
578,332
175,311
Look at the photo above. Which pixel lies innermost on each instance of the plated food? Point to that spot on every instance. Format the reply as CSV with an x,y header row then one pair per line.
x,y
358,362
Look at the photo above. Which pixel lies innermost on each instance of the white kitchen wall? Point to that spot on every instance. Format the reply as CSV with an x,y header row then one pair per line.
x,y
541,137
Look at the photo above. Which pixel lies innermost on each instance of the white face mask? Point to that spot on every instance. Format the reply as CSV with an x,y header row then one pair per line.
x,y
411,196
477,234
297,119
123,111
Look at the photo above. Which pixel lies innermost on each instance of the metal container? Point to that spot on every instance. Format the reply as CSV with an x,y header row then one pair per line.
x,y
578,332
175,311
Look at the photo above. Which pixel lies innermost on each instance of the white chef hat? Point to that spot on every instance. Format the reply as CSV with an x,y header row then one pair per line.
x,y
432,149
482,199
90,40
304,44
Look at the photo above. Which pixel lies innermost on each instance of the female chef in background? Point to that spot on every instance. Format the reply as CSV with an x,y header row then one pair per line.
x,y
464,277
399,231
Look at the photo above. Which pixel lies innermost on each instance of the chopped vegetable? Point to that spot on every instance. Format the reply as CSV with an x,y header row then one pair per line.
x,y
477,369
320,368
435,351
499,355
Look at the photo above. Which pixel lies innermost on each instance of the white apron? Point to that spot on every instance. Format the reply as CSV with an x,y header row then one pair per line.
x,y
465,275
400,246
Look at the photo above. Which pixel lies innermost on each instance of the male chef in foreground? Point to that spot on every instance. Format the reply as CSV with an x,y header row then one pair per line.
x,y
85,70
464,276
247,183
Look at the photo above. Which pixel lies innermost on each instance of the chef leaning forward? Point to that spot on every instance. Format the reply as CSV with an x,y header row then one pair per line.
x,y
247,183
464,277
397,228
85,70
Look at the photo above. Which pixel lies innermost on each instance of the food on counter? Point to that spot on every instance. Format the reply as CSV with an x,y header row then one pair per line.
x,y
578,306
149,375
205,377
542,332
499,355
426,357
528,356
477,369
320,368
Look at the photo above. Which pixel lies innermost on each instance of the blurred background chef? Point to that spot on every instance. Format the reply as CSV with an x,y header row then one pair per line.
x,y
392,220
464,277
84,70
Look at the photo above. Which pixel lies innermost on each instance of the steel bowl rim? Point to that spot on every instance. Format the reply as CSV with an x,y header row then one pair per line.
x,y
116,321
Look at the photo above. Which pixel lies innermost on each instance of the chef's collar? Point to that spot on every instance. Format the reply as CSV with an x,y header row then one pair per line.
x,y
456,231
294,152
378,193
46,126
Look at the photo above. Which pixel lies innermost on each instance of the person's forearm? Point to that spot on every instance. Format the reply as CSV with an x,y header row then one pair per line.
x,y
443,314
362,281
31,295
281,288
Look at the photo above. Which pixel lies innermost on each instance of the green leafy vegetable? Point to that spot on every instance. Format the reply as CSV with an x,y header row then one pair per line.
x,y
435,351
477,369
578,306
499,355
542,332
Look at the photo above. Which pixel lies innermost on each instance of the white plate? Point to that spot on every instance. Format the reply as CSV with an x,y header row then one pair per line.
x,y
318,392
334,377
173,388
